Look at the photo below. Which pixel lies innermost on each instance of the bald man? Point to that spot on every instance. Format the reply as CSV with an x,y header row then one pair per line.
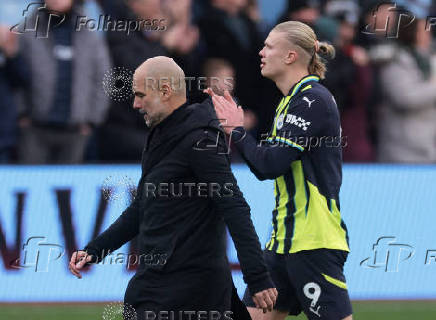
x,y
186,197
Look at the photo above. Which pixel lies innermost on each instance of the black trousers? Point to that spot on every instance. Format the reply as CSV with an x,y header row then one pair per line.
x,y
198,309
238,308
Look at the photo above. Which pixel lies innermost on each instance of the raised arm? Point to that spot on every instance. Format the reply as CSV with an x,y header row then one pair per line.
x,y
272,156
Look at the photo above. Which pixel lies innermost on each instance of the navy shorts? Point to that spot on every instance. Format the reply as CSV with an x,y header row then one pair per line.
x,y
311,281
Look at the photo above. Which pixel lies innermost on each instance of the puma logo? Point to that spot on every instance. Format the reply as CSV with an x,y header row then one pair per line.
x,y
308,101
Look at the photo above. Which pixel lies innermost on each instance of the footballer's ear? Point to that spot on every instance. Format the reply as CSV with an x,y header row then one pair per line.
x,y
165,91
291,56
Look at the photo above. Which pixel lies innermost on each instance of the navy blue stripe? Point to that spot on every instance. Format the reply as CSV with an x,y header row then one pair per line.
x,y
274,219
290,211
306,187
346,232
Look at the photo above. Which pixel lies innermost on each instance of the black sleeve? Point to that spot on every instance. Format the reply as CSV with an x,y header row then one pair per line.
x,y
124,229
210,166
271,157
17,71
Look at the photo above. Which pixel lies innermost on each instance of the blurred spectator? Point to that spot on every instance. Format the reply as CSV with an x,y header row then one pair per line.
x,y
407,117
65,101
175,36
232,35
307,11
376,34
252,10
12,74
349,78
377,28
220,76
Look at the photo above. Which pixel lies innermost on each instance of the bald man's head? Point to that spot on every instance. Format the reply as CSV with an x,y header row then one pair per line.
x,y
159,86
157,71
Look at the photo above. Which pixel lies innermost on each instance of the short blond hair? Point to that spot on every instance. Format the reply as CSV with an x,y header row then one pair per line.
x,y
303,36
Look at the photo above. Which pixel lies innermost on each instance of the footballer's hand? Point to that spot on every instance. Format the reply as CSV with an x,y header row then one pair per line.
x,y
266,299
228,112
78,261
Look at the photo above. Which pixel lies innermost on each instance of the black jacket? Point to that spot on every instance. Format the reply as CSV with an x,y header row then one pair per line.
x,y
12,76
187,230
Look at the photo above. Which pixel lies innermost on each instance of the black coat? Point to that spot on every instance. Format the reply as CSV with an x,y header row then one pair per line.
x,y
12,75
188,230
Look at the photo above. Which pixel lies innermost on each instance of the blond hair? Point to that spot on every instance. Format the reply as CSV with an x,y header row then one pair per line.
x,y
301,35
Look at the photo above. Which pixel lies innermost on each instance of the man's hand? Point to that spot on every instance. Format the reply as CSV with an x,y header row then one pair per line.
x,y
266,299
8,42
78,261
228,112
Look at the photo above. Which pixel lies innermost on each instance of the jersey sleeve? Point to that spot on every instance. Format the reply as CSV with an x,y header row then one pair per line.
x,y
302,124
295,131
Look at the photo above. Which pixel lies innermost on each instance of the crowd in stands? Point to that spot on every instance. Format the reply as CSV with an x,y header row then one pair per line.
x,y
55,109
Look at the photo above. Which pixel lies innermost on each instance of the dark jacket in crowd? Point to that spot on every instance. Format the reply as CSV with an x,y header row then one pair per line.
x,y
237,39
183,227
12,74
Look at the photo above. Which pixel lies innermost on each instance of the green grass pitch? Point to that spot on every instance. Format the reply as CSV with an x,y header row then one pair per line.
x,y
363,310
